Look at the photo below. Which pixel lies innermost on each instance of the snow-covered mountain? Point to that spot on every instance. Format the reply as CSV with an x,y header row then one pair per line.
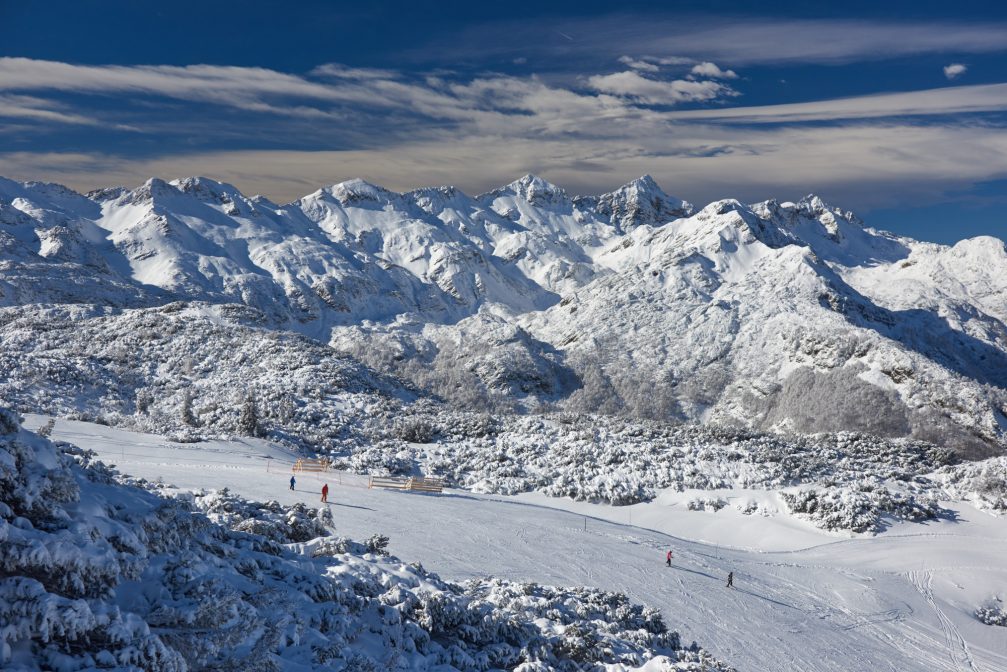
x,y
777,315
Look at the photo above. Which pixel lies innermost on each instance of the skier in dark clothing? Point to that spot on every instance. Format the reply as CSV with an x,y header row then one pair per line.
x,y
730,579
292,481
325,493
667,560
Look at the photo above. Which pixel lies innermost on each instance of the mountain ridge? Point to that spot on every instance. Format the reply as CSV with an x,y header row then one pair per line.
x,y
631,302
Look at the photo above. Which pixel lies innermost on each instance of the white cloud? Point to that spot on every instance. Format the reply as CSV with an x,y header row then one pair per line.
x,y
954,70
712,70
638,64
656,92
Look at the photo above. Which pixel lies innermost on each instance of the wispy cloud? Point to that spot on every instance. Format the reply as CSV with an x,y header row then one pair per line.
x,y
491,103
650,91
730,40
639,64
943,101
224,84
40,109
954,70
815,41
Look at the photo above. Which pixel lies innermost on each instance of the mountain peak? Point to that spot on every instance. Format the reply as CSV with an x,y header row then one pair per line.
x,y
530,179
153,188
204,185
535,190
813,206
357,189
812,203
645,182
640,202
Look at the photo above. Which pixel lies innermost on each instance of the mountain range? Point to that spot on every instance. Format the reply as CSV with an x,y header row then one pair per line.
x,y
785,316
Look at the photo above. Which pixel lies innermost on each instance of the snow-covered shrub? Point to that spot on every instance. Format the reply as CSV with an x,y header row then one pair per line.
x,y
706,504
860,508
982,483
992,614
332,546
45,431
620,461
282,524
57,574
415,430
378,544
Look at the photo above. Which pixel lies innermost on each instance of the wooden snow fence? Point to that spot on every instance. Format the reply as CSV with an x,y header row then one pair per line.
x,y
320,464
423,484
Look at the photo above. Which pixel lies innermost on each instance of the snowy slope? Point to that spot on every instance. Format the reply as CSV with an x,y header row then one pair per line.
x,y
804,599
190,369
98,574
777,315
745,315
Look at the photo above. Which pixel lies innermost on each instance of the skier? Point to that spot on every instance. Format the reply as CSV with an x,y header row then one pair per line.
x,y
292,481
325,493
730,579
667,560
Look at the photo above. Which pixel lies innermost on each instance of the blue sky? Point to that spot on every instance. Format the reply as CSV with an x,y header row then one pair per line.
x,y
895,110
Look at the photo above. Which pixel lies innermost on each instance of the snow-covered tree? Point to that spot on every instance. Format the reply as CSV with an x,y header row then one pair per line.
x,y
248,420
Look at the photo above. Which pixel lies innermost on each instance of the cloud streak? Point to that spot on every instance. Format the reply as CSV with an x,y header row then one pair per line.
x,y
943,101
731,40
40,109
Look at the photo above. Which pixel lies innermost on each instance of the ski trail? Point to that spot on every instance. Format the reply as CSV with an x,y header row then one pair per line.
x,y
958,648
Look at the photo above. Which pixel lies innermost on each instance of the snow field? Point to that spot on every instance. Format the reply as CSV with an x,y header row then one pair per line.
x,y
97,573
804,599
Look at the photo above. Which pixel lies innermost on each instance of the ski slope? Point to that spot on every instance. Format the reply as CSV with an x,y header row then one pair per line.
x,y
804,599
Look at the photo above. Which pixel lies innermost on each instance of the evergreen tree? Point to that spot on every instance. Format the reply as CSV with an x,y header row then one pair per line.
x,y
188,417
248,421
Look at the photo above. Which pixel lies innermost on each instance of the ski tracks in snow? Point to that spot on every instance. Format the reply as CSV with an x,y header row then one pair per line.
x,y
958,648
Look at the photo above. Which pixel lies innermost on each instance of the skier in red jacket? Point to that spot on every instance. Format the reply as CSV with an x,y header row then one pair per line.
x,y
325,493
668,559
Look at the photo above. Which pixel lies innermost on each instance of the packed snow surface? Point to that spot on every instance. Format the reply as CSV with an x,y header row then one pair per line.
x,y
904,599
